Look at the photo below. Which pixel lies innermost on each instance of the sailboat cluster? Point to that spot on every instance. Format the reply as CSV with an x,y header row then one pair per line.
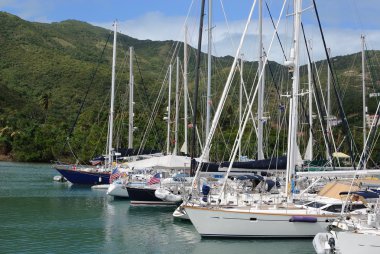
x,y
274,197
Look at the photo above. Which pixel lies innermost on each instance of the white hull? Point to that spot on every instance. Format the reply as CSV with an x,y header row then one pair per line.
x,y
59,178
248,223
180,213
117,190
349,243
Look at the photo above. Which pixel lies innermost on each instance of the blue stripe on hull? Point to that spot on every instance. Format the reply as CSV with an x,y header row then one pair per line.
x,y
83,177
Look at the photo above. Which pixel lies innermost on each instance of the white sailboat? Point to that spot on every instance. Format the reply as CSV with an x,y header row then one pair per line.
x,y
352,234
348,234
280,219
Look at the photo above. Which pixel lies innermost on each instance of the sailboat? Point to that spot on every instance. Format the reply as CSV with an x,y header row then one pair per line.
x,y
282,218
352,234
167,167
359,234
87,175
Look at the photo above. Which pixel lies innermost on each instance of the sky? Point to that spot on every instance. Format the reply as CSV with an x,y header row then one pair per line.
x,y
343,22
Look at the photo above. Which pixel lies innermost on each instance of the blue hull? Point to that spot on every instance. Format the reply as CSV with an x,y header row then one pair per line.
x,y
84,177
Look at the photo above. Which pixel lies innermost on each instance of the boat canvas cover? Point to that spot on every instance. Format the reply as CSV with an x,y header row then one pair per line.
x,y
274,163
364,194
163,162
333,189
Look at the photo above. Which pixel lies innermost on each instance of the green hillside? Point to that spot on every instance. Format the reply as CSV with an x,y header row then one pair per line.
x,y
46,70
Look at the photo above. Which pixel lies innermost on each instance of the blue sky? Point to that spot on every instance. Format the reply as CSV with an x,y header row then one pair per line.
x,y
343,20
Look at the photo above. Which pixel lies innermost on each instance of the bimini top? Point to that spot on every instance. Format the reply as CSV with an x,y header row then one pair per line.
x,y
364,194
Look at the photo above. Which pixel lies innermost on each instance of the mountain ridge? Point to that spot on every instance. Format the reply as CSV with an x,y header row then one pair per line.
x,y
45,70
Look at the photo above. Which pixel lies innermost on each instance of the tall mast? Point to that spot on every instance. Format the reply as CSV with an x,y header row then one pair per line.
x,y
328,115
364,102
110,149
176,109
293,112
169,110
309,150
185,91
209,52
196,86
131,114
260,96
328,94
241,100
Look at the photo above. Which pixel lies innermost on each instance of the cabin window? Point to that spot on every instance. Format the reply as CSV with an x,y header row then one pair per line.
x,y
315,204
333,208
354,207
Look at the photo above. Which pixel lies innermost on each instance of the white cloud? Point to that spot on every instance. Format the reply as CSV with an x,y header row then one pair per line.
x,y
342,28
157,26
152,25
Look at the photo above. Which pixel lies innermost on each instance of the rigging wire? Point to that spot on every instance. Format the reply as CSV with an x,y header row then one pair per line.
x,y
318,101
86,94
156,135
346,127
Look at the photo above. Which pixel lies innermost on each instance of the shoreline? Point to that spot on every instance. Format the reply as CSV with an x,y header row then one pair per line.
x,y
6,158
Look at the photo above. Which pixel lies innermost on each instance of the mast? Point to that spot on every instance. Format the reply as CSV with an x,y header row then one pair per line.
x,y
328,94
185,91
110,132
209,52
364,102
131,114
176,109
196,86
309,149
168,111
293,63
241,100
260,96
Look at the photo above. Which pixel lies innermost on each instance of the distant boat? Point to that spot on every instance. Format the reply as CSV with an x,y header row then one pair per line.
x,y
155,192
59,178
100,171
83,175
88,175
146,196
168,192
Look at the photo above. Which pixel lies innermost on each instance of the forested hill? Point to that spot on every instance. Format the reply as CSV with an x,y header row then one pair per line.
x,y
46,70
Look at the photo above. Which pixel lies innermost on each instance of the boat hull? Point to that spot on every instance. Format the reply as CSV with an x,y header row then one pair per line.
x,y
229,223
146,196
180,213
84,177
118,190
351,242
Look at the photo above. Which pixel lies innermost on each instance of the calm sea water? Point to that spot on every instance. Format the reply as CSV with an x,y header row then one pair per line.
x,y
38,215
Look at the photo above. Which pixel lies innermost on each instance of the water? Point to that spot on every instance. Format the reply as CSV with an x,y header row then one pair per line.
x,y
38,215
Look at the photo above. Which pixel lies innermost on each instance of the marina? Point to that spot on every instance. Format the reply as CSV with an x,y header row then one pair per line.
x,y
42,216
168,147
